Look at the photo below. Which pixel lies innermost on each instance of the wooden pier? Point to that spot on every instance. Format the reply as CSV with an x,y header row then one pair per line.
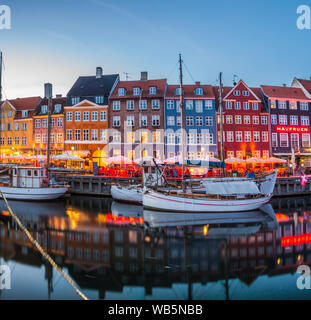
x,y
100,186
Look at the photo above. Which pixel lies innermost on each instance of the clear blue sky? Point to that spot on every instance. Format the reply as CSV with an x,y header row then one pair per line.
x,y
56,41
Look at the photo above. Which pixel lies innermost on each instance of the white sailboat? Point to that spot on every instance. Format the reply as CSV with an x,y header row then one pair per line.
x,y
218,195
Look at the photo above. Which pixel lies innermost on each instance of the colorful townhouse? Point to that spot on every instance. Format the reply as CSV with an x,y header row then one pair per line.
x,y
86,116
16,134
200,124
136,118
289,109
40,119
245,123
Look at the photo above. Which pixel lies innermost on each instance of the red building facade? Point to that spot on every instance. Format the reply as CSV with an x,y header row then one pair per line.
x,y
245,123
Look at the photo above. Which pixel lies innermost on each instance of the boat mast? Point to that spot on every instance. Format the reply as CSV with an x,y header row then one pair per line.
x,y
182,115
48,95
1,63
222,153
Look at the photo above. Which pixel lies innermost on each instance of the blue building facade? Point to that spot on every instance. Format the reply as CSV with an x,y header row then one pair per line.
x,y
200,121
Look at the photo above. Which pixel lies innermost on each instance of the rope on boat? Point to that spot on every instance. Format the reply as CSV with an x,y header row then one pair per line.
x,y
41,250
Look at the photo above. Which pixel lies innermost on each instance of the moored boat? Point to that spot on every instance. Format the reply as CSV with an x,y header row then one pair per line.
x,y
31,184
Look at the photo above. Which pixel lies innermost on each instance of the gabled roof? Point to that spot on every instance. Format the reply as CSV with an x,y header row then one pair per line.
x,y
84,103
189,91
55,101
280,92
246,86
92,86
25,103
306,84
144,85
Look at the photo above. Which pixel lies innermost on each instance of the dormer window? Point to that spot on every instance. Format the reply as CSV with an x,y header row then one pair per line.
x,y
177,91
152,90
136,91
99,99
44,109
24,113
198,92
75,100
121,92
57,108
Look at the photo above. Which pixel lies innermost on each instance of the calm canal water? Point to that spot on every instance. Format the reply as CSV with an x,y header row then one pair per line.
x,y
117,251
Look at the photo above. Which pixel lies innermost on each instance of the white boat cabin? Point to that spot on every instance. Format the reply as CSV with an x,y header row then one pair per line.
x,y
151,176
28,177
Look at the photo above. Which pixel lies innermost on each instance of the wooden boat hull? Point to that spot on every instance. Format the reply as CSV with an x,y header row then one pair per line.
x,y
126,194
33,194
173,203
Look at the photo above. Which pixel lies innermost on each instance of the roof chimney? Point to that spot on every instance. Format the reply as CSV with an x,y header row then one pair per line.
x,y
284,85
197,83
48,88
99,72
144,76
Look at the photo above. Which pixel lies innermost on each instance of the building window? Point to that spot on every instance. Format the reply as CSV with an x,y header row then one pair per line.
x,y
155,104
121,92
237,92
44,123
37,138
199,121
136,91
59,122
86,116
256,136
293,120
75,100
77,116
144,121
116,137
144,137
189,105
209,138
69,116
171,121
305,121
16,140
37,123
237,105
295,140
24,113
152,90
293,105
59,138
230,154
305,140
228,105
283,119
238,136
248,136
77,134
255,105
304,105
116,105
130,121
282,104
189,121
94,116
209,104
24,141
255,120
69,134
130,105
57,108
85,134
230,137
283,140
16,126
44,109
156,121
209,121
274,119
229,119
238,119
116,121
170,105
245,93
99,99
94,135
103,115
24,126
199,106
246,106
199,92
264,120
265,136
247,120
143,105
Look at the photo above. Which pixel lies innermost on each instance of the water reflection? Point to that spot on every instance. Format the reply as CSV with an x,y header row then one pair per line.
x,y
115,250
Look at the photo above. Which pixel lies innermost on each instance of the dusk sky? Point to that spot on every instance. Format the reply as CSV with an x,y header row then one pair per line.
x,y
57,41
